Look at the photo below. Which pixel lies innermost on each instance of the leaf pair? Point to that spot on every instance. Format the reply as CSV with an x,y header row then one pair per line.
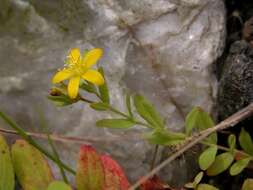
x,y
144,108
147,111
165,137
200,120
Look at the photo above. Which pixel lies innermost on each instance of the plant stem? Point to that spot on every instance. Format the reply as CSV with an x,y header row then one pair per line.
x,y
23,134
227,149
154,157
114,110
50,142
86,100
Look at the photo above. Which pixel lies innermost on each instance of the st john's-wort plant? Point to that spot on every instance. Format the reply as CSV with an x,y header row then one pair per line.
x,y
101,172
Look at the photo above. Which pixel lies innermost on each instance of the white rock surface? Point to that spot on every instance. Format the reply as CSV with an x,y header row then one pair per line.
x,y
163,49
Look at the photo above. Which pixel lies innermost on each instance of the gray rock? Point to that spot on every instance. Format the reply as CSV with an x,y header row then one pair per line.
x,y
162,49
236,84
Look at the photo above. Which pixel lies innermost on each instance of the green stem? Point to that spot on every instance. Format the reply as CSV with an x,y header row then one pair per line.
x,y
23,134
86,100
50,142
119,112
154,157
114,110
227,149
129,117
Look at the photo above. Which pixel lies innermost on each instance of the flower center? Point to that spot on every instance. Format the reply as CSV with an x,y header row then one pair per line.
x,y
77,69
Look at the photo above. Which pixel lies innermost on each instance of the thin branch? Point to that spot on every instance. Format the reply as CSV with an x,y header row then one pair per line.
x,y
193,140
62,138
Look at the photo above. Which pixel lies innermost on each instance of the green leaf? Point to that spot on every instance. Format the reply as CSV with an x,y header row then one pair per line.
x,y
221,163
31,168
103,89
246,142
100,106
58,185
115,123
190,185
232,143
89,87
147,111
7,180
128,104
61,100
204,186
190,121
198,178
164,137
248,184
238,166
200,120
207,157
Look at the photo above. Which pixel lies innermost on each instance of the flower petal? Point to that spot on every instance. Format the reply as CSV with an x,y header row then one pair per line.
x,y
92,57
73,87
74,56
94,77
61,75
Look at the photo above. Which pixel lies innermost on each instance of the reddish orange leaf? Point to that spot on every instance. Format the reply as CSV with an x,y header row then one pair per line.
x,y
90,172
115,178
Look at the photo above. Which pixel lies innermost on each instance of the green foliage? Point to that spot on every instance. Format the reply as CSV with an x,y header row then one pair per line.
x,y
206,187
103,89
30,166
199,120
238,166
221,163
248,184
58,185
100,106
232,143
197,179
246,142
6,169
128,105
202,186
88,87
61,100
115,123
207,157
164,137
147,111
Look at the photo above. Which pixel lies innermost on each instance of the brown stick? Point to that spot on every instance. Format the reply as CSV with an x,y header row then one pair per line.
x,y
193,140
61,138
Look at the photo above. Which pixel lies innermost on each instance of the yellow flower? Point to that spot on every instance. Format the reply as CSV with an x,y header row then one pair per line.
x,y
80,67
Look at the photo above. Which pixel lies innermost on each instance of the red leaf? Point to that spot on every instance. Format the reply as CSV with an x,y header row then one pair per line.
x,y
115,178
90,172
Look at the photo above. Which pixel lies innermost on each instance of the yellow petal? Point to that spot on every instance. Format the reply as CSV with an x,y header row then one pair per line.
x,y
74,56
73,87
94,77
61,75
92,57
